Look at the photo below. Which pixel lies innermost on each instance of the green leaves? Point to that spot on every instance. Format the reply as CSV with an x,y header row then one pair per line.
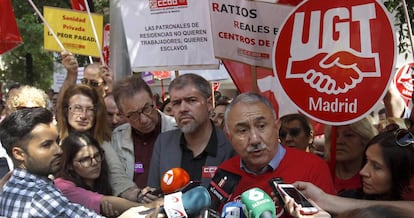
x,y
30,64
395,7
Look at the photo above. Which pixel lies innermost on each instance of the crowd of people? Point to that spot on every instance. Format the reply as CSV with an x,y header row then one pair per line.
x,y
101,147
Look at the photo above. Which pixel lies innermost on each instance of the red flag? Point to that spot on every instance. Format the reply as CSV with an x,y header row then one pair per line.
x,y
106,39
241,75
80,5
9,32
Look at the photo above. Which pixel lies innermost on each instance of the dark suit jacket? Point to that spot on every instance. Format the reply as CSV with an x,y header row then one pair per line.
x,y
167,154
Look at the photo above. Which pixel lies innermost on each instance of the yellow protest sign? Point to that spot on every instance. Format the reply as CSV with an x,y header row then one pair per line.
x,y
74,30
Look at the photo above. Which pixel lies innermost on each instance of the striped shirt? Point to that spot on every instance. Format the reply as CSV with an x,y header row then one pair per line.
x,y
29,195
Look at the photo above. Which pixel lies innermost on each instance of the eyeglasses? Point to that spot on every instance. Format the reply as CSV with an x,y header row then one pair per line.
x,y
87,161
146,110
403,137
78,110
294,132
93,83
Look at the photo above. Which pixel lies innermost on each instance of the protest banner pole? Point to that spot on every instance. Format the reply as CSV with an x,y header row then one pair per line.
x,y
47,25
410,31
213,96
162,90
254,78
94,33
332,159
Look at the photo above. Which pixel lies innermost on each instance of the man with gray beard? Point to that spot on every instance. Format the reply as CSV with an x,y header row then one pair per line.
x,y
197,146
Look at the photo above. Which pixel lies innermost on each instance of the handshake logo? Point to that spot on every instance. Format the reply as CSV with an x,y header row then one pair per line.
x,y
325,57
334,59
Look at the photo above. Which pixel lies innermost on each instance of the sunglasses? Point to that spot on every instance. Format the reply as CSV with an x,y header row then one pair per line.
x,y
294,132
403,137
391,127
92,83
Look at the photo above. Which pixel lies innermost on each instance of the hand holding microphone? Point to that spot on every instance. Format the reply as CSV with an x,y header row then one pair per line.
x,y
173,180
148,194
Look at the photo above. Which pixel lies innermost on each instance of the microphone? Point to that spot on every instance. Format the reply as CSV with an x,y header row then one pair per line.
x,y
258,204
174,179
233,209
196,199
187,204
222,186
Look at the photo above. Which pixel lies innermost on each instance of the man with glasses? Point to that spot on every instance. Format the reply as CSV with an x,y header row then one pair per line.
x,y
94,74
198,146
134,140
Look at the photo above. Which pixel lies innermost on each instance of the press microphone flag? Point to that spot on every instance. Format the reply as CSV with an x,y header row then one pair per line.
x,y
174,206
174,179
222,186
258,204
233,209
188,204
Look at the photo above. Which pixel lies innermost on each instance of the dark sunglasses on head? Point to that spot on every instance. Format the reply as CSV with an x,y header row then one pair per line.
x,y
403,137
391,127
294,132
90,82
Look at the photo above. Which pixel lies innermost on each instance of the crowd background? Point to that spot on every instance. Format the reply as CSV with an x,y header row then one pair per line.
x,y
126,137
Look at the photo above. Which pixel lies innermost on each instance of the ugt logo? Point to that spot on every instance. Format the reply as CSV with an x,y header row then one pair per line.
x,y
328,48
329,53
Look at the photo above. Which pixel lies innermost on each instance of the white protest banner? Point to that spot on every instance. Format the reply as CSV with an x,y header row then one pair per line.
x,y
168,34
245,31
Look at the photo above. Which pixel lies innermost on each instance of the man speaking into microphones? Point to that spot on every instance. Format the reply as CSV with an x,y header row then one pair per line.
x,y
251,126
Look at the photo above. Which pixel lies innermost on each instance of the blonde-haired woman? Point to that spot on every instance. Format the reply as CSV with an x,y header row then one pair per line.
x,y
351,141
26,97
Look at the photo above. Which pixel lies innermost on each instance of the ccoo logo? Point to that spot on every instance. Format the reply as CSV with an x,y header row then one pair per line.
x,y
334,59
